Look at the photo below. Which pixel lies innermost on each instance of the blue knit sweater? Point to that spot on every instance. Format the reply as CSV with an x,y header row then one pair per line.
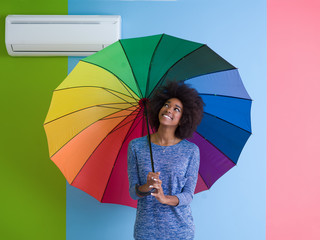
x,y
178,165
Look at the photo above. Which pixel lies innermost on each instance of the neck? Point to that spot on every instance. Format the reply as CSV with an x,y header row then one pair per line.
x,y
165,136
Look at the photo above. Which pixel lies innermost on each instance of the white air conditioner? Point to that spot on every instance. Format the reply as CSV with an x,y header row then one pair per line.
x,y
60,35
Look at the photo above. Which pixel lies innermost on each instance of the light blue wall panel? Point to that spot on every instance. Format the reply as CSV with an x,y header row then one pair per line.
x,y
234,208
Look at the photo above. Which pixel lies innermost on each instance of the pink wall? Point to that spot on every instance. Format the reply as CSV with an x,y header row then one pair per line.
x,y
293,122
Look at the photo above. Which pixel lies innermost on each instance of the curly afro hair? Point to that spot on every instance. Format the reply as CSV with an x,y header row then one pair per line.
x,y
192,107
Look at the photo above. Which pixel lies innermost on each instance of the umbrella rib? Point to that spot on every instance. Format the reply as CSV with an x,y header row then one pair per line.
x,y
78,134
219,177
216,147
203,180
117,128
79,110
225,70
148,79
126,137
107,89
204,45
105,106
140,111
108,118
134,77
94,152
111,92
218,95
159,83
120,97
124,85
227,122
163,77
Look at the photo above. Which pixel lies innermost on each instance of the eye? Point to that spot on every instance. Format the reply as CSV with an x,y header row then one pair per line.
x,y
177,109
166,105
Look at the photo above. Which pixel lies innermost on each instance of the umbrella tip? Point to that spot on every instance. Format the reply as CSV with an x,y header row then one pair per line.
x,y
143,101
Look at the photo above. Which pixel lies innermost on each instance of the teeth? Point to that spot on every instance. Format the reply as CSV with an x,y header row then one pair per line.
x,y
166,116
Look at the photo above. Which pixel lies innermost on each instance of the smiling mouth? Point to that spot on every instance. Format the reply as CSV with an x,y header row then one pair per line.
x,y
166,116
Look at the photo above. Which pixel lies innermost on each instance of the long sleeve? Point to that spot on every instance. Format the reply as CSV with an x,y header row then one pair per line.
x,y
132,172
186,195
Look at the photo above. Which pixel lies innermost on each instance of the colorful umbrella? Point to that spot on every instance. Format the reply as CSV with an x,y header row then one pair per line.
x,y
95,112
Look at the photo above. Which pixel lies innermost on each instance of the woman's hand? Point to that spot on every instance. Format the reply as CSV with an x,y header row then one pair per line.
x,y
152,178
158,194
154,182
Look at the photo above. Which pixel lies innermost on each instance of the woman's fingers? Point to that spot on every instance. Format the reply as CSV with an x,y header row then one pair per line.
x,y
156,185
152,174
153,180
153,177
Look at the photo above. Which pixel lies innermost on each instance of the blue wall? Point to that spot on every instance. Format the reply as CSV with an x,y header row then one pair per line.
x,y
234,208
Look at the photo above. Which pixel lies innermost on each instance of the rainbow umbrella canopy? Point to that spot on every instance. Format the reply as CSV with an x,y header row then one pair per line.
x,y
95,112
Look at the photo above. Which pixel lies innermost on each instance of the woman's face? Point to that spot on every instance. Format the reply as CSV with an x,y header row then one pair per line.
x,y
171,112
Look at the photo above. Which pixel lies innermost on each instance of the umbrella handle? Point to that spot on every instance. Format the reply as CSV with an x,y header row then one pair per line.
x,y
149,138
